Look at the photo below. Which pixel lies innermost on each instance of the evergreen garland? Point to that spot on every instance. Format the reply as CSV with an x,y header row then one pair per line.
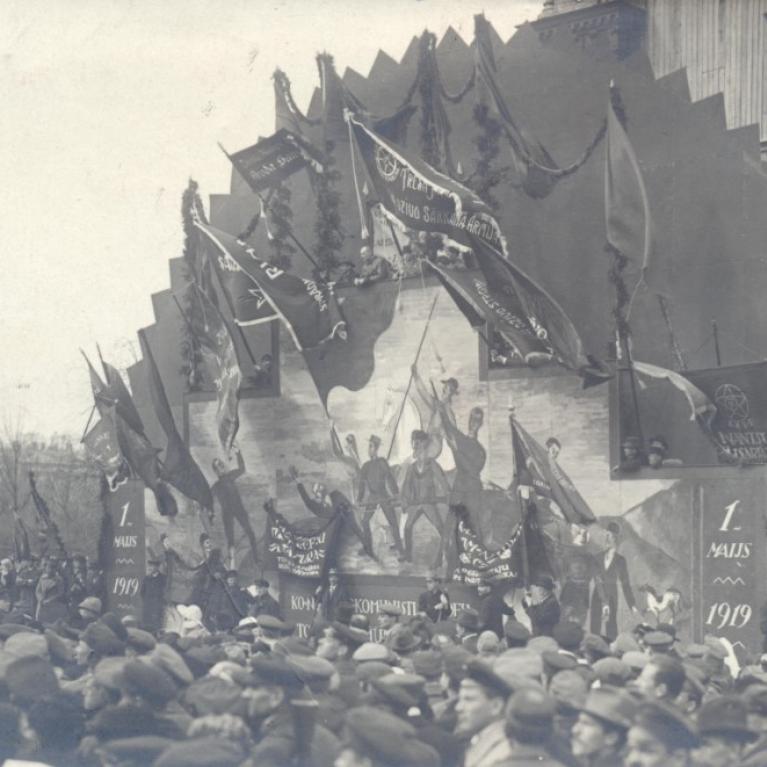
x,y
281,226
191,354
429,147
485,177
328,230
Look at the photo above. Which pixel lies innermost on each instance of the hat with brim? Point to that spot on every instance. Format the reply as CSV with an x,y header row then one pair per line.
x,y
349,635
404,642
610,705
725,716
483,674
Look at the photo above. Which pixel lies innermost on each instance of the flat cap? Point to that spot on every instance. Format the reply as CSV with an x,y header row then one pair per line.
x,y
91,605
568,635
635,660
275,671
387,739
427,663
530,710
31,678
140,640
612,671
389,608
557,661
212,695
484,674
519,661
371,669
541,644
667,724
26,643
311,668
611,705
569,689
102,640
272,623
726,715
516,631
203,752
199,660
165,657
61,650
468,619
455,660
368,651
715,648
658,639
595,646
755,698
623,643
349,635
149,682
108,672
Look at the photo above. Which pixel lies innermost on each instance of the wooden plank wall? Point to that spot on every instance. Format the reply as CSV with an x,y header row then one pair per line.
x,y
722,44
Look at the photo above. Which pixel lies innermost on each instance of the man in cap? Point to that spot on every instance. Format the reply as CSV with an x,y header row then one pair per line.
x,y
467,630
724,732
372,268
613,570
226,494
153,595
599,733
327,504
282,718
479,716
657,452
425,490
377,489
492,607
263,603
530,727
387,620
330,595
631,454
434,603
376,738
541,606
659,736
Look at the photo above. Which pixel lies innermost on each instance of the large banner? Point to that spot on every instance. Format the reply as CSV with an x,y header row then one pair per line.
x,y
733,563
739,393
368,594
477,563
125,567
300,553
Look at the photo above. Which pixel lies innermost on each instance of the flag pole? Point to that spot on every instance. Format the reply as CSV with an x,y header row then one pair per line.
x,y
87,425
524,503
410,380
717,350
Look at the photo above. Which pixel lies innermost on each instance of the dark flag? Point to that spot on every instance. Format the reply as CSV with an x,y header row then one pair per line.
x,y
307,307
220,358
179,467
113,401
423,199
307,554
547,478
628,223
275,158
478,563
102,444
350,363
49,530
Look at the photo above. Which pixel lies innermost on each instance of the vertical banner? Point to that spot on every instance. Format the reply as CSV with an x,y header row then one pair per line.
x,y
733,564
125,565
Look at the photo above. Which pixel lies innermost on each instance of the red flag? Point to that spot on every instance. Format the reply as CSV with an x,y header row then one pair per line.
x,y
307,307
180,468
220,358
628,222
549,480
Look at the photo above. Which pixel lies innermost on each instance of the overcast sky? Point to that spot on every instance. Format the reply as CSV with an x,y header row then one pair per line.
x,y
108,108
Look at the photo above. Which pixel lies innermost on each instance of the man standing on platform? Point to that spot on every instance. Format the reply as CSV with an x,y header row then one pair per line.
x,y
263,602
614,569
541,606
378,487
435,601
491,608
330,596
228,496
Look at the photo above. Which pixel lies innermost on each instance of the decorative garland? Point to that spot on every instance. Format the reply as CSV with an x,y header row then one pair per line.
x,y
283,84
328,229
281,226
485,178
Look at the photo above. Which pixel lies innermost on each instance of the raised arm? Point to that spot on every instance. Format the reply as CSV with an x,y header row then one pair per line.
x,y
240,470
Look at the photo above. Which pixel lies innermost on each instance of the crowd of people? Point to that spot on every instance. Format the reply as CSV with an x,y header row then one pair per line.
x,y
440,685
